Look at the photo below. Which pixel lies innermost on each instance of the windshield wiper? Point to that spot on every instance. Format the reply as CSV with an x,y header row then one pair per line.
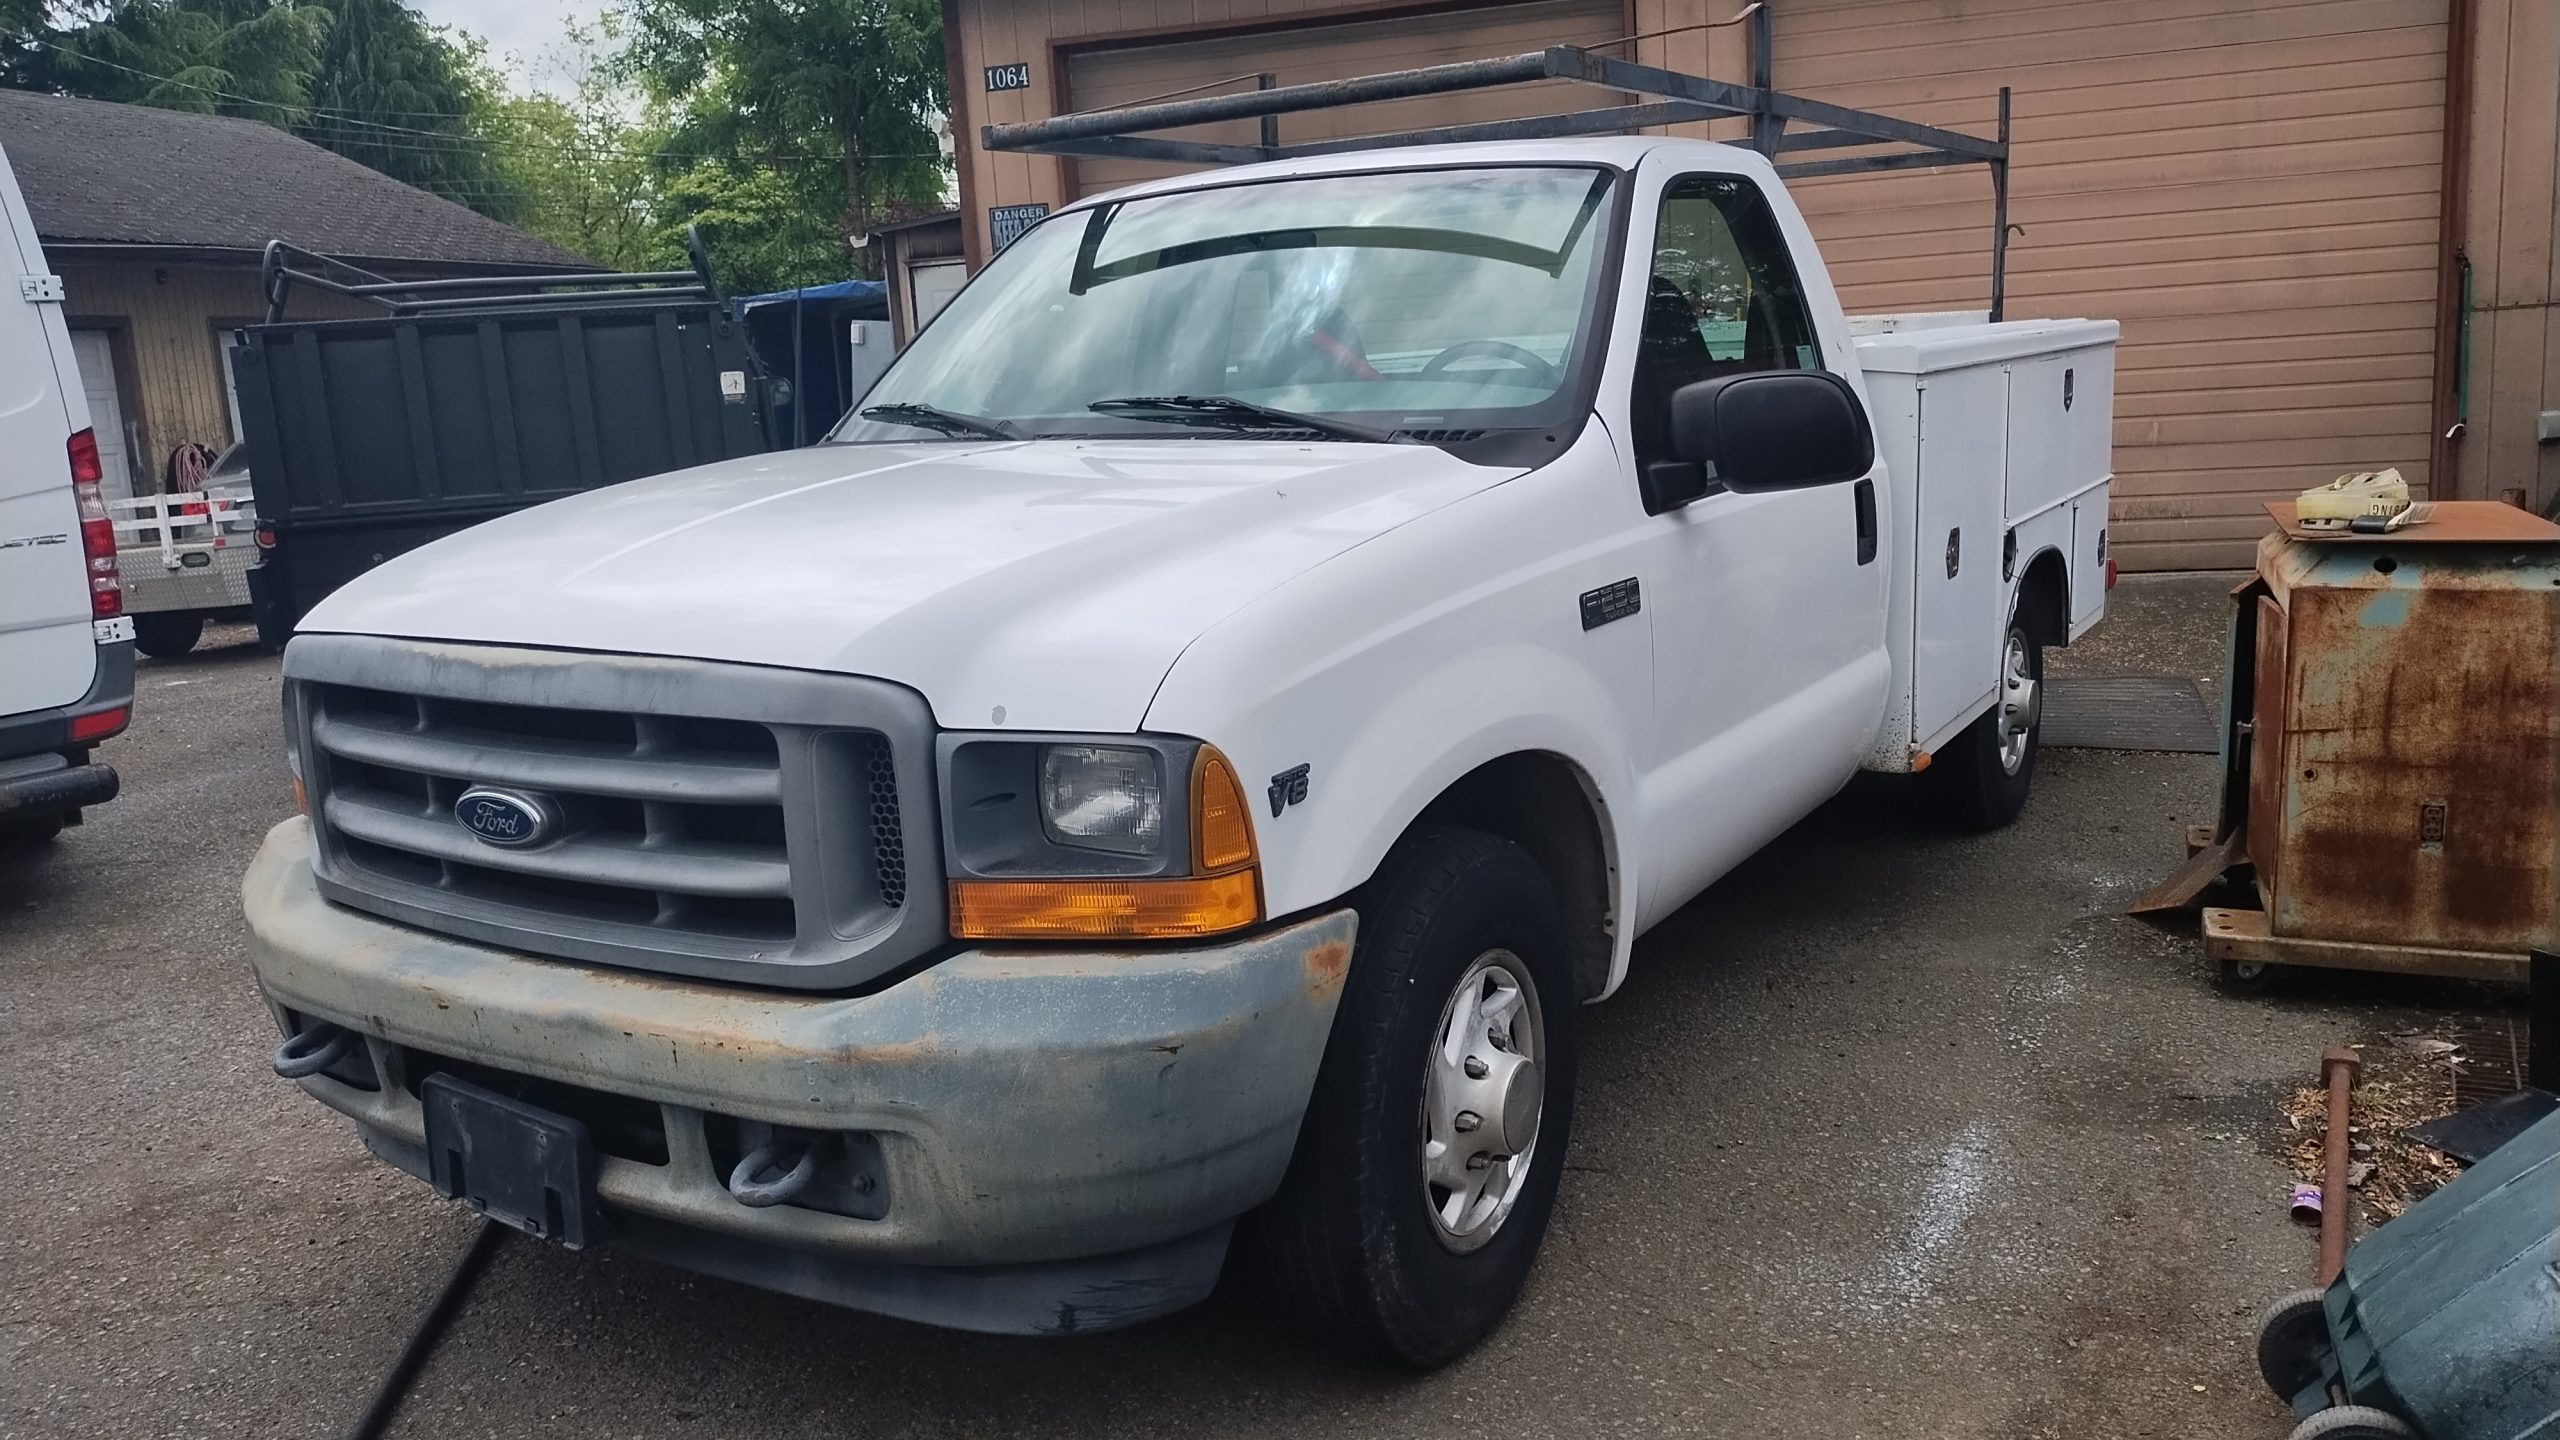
x,y
934,417
1228,412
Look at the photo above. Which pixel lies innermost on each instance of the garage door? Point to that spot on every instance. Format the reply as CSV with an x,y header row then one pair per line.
x,y
94,351
2251,189
1101,79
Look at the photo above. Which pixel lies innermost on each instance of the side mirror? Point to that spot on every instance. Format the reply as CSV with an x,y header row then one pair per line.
x,y
1769,430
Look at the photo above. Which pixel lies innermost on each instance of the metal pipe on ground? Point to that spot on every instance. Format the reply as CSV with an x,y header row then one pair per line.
x,y
2338,1067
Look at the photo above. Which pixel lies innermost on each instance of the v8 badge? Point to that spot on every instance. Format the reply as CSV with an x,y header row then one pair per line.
x,y
1287,789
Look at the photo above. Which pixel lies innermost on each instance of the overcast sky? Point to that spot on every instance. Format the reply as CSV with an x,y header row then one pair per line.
x,y
522,34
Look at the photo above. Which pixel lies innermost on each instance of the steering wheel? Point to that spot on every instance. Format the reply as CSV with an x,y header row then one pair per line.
x,y
1540,373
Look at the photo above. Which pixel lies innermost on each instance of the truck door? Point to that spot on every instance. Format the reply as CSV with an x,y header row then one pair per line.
x,y
1769,667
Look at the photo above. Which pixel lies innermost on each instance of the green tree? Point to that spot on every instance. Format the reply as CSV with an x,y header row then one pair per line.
x,y
395,94
764,229
366,78
824,112
250,58
590,165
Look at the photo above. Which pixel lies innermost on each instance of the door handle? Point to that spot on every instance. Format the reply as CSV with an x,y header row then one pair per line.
x,y
1865,497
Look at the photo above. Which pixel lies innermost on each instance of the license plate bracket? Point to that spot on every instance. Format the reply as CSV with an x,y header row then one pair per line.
x,y
518,1164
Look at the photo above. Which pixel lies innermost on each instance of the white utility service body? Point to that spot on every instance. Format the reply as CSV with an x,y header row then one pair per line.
x,y
1474,656
1998,438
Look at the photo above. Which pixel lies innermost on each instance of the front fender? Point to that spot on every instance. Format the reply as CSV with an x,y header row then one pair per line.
x,y
1394,670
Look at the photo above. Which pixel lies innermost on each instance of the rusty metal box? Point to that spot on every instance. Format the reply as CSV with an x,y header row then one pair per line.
x,y
2403,751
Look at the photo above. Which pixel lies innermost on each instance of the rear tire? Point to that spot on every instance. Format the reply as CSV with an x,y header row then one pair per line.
x,y
1451,1060
168,634
1981,781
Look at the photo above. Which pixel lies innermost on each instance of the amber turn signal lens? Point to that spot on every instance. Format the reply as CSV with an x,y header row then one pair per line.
x,y
1104,909
1221,826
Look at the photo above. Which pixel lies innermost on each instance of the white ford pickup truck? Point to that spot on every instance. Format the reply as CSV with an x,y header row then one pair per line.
x,y
1163,776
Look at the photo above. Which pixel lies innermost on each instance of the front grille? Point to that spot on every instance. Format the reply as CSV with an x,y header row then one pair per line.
x,y
888,843
713,819
672,822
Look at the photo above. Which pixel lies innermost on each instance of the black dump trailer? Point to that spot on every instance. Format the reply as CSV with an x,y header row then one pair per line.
x,y
467,399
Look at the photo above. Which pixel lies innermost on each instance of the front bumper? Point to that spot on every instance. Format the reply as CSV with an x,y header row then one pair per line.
x,y
1032,1109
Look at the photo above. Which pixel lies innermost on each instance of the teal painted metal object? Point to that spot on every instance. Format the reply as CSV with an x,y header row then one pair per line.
x,y
2450,1315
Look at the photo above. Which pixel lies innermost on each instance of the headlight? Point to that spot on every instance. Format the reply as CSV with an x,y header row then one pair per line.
x,y
1102,797
1068,837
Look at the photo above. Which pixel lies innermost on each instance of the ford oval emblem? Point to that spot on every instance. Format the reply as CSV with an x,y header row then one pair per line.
x,y
513,818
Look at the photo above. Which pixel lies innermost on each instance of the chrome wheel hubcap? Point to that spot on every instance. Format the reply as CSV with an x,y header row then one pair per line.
x,y
2021,703
1482,1097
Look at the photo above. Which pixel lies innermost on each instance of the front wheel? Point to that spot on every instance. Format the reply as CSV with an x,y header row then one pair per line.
x,y
1981,781
1427,1164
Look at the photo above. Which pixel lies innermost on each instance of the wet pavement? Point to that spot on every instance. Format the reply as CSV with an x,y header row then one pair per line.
x,y
1892,1133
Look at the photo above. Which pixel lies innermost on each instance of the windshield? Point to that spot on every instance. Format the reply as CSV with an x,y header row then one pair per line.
x,y
1438,300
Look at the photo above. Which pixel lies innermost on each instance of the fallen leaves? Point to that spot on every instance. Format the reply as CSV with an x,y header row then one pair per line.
x,y
2397,1173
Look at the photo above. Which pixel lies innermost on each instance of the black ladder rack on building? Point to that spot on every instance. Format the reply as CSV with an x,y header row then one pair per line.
x,y
1671,98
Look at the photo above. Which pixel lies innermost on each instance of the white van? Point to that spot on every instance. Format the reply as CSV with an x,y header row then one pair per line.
x,y
66,646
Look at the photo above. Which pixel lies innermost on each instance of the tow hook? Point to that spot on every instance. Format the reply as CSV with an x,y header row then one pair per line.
x,y
762,1179
308,1052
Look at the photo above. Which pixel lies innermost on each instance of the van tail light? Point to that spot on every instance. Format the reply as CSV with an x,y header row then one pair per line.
x,y
99,724
266,533
2111,574
97,532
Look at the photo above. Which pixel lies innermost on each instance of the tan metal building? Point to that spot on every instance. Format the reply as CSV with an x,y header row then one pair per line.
x,y
2316,271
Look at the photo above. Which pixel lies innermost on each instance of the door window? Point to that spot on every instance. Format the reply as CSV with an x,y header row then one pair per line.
x,y
1721,299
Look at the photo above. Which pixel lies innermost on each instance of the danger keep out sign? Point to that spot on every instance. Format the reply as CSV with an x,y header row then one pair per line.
x,y
1005,223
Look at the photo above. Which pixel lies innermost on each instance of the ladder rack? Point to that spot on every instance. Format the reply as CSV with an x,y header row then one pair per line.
x,y
1670,98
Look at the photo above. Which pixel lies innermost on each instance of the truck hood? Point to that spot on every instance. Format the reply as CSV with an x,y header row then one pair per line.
x,y
1045,585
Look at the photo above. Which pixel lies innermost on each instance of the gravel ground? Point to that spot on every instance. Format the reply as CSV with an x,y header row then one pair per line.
x,y
1892,1133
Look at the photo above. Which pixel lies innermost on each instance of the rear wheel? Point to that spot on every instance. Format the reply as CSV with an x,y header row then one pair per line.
x,y
167,634
1981,781
1427,1165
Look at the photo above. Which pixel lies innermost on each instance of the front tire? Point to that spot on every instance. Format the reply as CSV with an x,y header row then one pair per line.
x,y
1981,781
168,634
1427,1165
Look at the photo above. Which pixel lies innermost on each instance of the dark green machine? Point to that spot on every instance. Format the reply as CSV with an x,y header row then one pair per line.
x,y
2445,1323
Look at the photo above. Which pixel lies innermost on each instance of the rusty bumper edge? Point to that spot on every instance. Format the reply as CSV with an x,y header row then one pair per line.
x,y
1031,1105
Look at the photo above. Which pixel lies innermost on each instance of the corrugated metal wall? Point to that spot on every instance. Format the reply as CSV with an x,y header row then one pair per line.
x,y
2252,189
1101,78
2515,279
